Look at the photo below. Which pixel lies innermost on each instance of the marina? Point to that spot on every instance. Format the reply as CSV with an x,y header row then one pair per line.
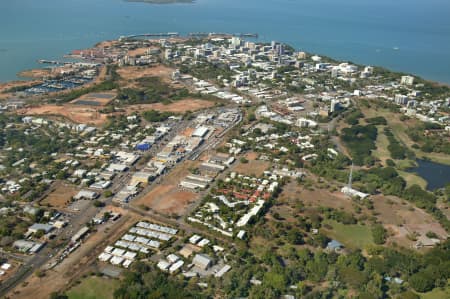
x,y
57,85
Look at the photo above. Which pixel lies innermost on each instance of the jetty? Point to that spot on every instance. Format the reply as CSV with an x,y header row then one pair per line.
x,y
206,34
167,34
44,61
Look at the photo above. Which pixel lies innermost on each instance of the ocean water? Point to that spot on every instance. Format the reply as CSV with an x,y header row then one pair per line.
x,y
404,35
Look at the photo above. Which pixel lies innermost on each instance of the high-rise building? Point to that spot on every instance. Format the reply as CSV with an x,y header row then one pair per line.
x,y
280,49
235,42
334,72
407,80
273,44
401,99
334,105
301,55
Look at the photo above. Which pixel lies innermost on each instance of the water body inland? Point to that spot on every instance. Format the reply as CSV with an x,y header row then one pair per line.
x,y
437,175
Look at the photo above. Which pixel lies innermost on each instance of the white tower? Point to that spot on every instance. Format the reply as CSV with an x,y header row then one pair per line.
x,y
350,177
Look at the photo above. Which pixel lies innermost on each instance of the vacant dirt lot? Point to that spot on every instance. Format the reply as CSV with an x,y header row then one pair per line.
x,y
176,107
75,113
89,114
60,196
188,132
95,98
131,73
139,51
252,156
253,167
320,197
313,198
168,198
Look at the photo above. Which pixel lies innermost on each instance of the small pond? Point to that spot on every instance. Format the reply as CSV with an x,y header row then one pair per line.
x,y
437,175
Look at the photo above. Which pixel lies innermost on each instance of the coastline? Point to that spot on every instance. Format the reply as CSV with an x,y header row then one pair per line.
x,y
27,76
365,39
38,73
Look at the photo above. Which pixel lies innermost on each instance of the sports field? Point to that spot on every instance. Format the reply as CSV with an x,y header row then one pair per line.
x,y
93,288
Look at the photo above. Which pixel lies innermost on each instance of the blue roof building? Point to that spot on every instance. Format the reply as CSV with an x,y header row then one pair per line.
x,y
143,147
334,245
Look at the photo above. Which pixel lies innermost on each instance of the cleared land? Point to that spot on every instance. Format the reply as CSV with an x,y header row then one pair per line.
x,y
137,52
60,196
93,288
89,114
171,202
181,106
75,113
317,197
130,74
168,198
95,99
253,167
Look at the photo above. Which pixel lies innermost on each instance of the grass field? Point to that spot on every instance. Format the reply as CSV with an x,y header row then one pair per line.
x,y
93,288
399,128
436,294
382,143
352,236
399,132
412,178
405,164
383,154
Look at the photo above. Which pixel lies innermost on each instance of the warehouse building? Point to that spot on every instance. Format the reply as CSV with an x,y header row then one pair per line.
x,y
200,132
202,261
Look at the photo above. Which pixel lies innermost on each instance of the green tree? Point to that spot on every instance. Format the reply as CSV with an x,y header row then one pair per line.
x,y
295,237
318,267
98,204
243,160
421,282
274,281
379,234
